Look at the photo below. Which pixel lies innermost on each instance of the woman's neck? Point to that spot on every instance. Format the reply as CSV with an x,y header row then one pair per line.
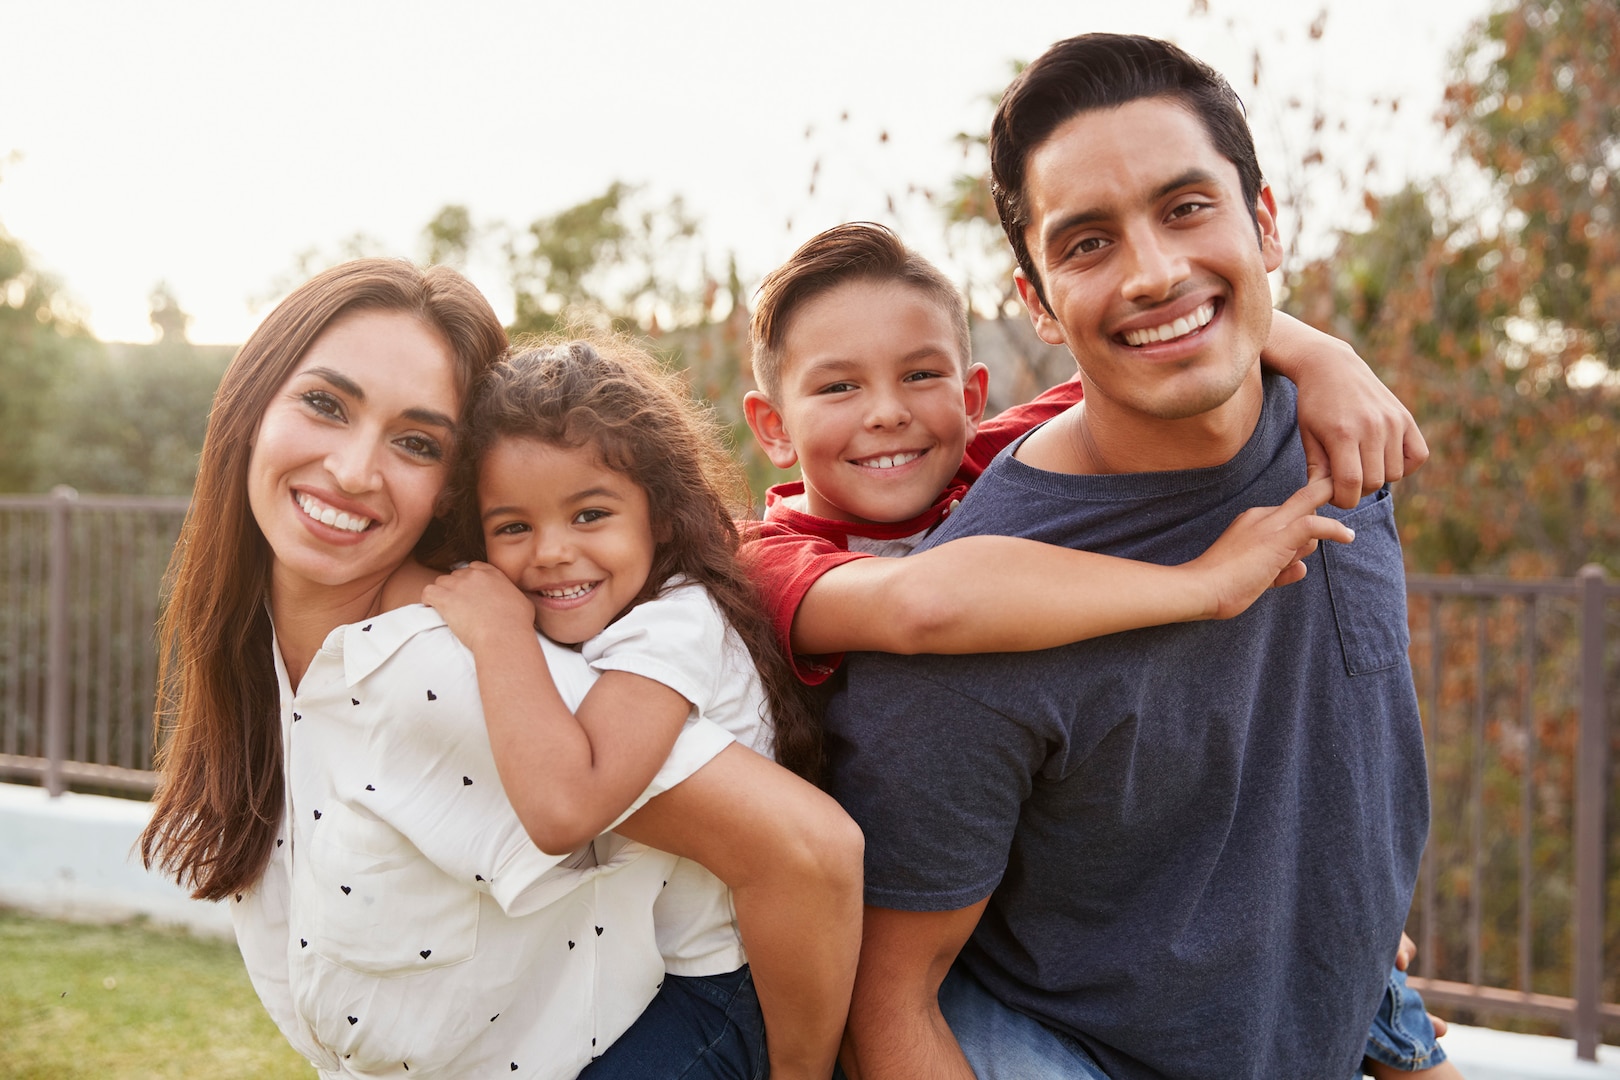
x,y
304,613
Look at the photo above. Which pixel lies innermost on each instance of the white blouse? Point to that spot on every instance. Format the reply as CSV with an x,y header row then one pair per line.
x,y
406,924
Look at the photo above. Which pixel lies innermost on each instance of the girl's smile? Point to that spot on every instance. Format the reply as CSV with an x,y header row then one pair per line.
x,y
573,534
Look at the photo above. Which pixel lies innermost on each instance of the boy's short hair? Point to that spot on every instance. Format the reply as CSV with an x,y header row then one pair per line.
x,y
857,251
1105,71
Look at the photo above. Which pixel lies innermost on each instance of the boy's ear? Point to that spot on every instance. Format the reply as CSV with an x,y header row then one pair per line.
x,y
765,421
1046,327
975,396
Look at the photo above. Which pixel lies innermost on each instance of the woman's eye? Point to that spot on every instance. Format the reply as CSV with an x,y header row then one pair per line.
x,y
323,403
421,446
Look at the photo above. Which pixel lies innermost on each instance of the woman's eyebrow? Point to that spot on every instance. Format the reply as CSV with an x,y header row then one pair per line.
x,y
348,386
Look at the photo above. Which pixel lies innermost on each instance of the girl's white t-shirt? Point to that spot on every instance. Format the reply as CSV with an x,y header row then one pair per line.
x,y
681,639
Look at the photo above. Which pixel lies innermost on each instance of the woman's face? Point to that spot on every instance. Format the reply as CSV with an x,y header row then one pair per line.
x,y
351,454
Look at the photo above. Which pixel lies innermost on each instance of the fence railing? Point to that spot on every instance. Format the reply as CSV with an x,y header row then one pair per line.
x,y
1518,681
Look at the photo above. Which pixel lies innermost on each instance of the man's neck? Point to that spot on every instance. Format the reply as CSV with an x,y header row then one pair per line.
x,y
1097,437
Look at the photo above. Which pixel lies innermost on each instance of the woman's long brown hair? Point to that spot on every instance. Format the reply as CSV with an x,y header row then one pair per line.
x,y
219,802
610,394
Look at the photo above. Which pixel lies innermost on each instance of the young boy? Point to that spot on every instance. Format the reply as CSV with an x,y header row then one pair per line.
x,y
861,354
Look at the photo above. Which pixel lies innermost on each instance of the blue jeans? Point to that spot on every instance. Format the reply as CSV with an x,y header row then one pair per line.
x,y
697,1028
1401,1035
1004,1044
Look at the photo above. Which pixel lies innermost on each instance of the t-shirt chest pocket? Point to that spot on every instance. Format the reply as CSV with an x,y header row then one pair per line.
x,y
380,906
1367,586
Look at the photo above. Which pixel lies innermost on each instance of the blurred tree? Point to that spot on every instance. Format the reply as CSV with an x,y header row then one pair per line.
x,y
167,318
613,258
39,334
1499,323
450,236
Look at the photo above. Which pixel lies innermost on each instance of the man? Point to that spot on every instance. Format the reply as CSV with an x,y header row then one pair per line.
x,y
1185,851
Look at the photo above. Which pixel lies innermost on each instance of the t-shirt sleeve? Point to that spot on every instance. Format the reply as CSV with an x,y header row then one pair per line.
x,y
935,780
677,639
784,565
996,433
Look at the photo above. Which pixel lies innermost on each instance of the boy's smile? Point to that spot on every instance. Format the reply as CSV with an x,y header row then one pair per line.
x,y
875,408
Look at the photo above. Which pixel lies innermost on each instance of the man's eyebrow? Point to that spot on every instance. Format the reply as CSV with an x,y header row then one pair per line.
x,y
348,386
1193,176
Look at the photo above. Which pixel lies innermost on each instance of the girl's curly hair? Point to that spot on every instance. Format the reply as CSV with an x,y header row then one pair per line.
x,y
609,393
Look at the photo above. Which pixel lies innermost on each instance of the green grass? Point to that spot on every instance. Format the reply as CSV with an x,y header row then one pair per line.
x,y
130,1001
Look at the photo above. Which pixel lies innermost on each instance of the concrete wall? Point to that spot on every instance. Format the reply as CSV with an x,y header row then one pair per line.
x,y
75,858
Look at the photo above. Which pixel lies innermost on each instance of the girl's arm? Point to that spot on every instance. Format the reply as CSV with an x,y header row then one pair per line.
x,y
1354,429
792,859
1007,594
568,774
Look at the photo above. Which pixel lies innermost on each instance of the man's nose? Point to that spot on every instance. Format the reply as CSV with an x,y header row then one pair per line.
x,y
1156,266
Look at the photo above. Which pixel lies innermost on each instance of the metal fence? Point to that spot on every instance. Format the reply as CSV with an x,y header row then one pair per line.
x,y
1518,681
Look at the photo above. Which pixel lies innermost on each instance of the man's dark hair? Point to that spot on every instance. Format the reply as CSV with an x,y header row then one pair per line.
x,y
1104,71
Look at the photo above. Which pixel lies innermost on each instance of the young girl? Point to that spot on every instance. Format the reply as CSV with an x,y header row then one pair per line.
x,y
604,506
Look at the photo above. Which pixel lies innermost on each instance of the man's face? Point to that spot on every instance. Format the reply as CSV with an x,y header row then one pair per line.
x,y
874,405
1154,274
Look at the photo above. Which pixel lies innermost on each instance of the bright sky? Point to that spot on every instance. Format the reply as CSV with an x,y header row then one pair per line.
x,y
208,144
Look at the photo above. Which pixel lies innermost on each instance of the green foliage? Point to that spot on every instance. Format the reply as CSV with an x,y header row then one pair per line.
x,y
38,336
128,1001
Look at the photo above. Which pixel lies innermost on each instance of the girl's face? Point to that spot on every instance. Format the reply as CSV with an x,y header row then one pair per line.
x,y
351,453
573,534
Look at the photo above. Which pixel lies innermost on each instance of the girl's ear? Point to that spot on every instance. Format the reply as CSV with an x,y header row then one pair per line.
x,y
770,430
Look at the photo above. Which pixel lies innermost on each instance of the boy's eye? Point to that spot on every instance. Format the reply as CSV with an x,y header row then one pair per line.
x,y
322,402
837,388
919,376
591,516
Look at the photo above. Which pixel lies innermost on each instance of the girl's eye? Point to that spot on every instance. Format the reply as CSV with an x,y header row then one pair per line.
x,y
589,517
421,446
509,528
324,403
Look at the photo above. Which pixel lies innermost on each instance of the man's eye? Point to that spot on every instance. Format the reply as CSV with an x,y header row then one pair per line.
x,y
1090,245
1182,210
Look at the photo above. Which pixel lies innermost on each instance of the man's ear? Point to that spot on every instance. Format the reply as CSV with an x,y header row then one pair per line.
x,y
975,395
1265,220
1046,327
765,421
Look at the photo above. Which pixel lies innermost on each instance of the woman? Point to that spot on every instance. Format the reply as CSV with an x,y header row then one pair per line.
x,y
299,732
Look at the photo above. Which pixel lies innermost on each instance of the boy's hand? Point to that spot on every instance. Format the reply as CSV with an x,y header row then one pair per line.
x,y
1263,547
480,604
1354,429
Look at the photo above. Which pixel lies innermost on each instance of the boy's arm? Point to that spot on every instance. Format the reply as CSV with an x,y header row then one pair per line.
x,y
792,859
895,1026
1007,594
1352,426
567,775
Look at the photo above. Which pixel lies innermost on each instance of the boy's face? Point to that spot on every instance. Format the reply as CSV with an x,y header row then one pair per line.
x,y
874,408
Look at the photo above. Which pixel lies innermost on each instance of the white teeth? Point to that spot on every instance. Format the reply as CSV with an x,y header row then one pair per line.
x,y
327,515
889,461
569,593
1172,330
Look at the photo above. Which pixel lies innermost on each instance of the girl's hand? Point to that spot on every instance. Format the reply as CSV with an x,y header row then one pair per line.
x,y
1263,548
480,604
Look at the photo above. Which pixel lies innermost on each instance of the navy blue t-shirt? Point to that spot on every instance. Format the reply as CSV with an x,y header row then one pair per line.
x,y
1199,840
